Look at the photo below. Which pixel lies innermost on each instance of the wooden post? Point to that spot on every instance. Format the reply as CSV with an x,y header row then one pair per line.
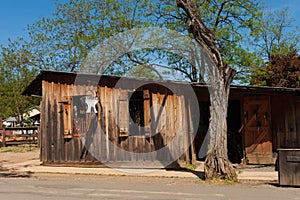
x,y
147,117
39,130
1,126
106,123
191,132
185,130
1,123
3,138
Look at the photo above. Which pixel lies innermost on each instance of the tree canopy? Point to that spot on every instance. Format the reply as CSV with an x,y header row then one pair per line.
x,y
62,41
276,41
16,73
280,71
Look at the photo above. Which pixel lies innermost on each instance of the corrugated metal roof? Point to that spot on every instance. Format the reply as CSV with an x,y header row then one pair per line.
x,y
35,87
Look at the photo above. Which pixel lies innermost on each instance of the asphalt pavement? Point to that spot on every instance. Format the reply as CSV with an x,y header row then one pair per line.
x,y
77,186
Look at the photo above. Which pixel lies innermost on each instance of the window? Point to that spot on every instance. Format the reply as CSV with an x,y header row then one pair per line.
x,y
136,112
84,113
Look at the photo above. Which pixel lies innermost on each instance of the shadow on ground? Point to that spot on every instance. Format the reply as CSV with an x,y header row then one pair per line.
x,y
276,184
9,173
199,174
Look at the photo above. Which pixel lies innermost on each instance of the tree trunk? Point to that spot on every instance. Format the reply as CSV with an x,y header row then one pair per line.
x,y
217,164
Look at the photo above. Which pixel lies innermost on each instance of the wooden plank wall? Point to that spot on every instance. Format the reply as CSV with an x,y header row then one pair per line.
x,y
54,147
167,113
285,121
289,167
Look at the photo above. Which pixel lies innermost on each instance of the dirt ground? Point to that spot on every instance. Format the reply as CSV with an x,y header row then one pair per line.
x,y
17,155
11,155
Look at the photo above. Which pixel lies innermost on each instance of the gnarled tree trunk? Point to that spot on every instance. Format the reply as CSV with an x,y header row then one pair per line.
x,y
217,164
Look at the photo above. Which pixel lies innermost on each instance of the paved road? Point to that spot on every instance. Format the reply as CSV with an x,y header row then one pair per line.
x,y
63,186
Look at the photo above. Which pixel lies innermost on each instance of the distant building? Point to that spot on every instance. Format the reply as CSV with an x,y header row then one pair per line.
x,y
33,114
10,122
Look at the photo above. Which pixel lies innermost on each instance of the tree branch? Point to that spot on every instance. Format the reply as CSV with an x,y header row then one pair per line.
x,y
219,14
205,38
144,64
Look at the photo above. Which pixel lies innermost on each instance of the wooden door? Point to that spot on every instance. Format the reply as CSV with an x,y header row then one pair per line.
x,y
257,134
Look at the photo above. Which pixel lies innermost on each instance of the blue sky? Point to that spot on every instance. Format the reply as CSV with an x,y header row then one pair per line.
x,y
15,15
293,5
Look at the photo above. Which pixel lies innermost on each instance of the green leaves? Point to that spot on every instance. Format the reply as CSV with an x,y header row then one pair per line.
x,y
281,71
275,37
63,41
17,70
245,36
276,34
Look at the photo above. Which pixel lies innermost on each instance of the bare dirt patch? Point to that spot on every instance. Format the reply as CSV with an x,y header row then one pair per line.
x,y
11,155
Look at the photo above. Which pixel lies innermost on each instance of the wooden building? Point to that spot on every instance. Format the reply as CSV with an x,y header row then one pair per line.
x,y
140,117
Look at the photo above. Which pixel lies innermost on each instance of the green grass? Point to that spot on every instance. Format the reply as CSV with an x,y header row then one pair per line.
x,y
217,182
18,149
191,167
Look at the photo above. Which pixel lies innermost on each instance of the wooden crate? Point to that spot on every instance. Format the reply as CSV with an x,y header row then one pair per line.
x,y
289,167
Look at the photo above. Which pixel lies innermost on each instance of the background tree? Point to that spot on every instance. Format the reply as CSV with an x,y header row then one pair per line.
x,y
232,23
63,41
276,42
281,71
276,34
16,72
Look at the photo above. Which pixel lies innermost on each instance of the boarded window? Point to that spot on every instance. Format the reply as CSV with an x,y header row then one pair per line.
x,y
147,117
134,114
136,111
123,117
67,117
84,110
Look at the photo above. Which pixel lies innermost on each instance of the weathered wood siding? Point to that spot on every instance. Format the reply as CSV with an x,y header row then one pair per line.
x,y
98,137
108,135
285,121
289,167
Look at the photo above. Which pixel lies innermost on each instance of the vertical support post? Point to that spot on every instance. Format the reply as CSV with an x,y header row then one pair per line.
x,y
1,123
1,126
147,117
191,132
3,138
106,123
185,130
